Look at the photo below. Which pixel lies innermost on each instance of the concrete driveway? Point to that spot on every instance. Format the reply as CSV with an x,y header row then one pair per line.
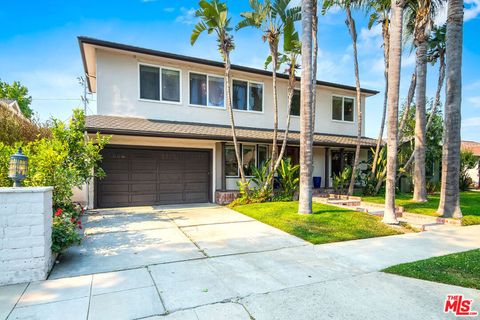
x,y
225,265
119,239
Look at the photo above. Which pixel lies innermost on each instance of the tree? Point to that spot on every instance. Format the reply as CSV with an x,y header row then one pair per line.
x,y
314,59
436,52
449,205
306,132
380,15
347,6
214,18
271,18
394,65
419,15
16,91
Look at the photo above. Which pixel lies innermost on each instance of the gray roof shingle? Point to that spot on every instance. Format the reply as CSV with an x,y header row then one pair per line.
x,y
159,128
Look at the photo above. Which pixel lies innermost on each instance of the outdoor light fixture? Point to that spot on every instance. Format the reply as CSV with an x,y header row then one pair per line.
x,y
18,168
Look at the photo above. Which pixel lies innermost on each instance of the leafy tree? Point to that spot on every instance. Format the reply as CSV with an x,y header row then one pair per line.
x,y
16,91
468,161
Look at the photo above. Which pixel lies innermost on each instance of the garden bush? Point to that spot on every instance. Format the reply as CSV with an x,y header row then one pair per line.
x,y
63,160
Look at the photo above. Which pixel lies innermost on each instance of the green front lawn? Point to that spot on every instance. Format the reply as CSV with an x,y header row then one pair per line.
x,y
327,224
460,269
469,202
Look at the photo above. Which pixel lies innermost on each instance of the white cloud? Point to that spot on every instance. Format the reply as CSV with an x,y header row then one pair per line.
x,y
471,122
474,101
147,1
473,85
169,9
471,11
187,16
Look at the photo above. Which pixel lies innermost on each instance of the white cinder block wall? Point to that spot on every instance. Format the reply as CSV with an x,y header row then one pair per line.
x,y
25,234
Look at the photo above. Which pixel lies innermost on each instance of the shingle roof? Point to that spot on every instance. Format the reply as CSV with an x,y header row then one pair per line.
x,y
159,128
472,146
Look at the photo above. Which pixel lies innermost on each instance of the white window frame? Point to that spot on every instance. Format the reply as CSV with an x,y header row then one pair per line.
x,y
248,95
160,67
208,91
343,108
241,151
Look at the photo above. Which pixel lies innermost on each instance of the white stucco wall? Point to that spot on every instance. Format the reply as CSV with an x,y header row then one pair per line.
x,y
118,94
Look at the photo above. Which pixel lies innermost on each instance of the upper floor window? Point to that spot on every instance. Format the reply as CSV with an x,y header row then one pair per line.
x,y
295,109
247,95
206,90
342,108
160,84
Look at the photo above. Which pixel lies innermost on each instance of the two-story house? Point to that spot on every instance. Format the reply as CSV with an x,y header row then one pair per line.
x,y
171,137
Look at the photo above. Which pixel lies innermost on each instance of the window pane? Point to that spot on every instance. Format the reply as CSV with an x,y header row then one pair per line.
x,y
256,97
215,91
170,85
337,108
295,110
262,155
239,101
149,83
348,109
248,159
231,168
198,89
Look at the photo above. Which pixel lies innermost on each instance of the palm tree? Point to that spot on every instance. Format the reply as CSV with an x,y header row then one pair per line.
x,y
436,52
419,15
306,132
380,15
271,18
347,6
314,59
394,65
213,16
449,205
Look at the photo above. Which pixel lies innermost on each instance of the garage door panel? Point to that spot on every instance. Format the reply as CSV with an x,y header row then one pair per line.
x,y
149,177
143,187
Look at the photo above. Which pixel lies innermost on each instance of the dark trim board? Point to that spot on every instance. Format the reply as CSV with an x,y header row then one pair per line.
x,y
130,148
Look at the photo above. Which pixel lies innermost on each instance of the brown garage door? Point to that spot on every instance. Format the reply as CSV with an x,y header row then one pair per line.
x,y
137,177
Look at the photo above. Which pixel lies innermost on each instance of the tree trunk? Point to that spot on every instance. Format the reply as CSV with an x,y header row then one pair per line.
x,y
441,78
306,132
449,205
419,179
386,47
394,65
274,54
314,59
406,111
353,33
232,120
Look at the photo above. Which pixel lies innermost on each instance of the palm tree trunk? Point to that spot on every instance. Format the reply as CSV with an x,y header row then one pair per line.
x,y
274,54
449,205
441,79
419,179
401,127
394,64
353,34
232,120
314,59
386,47
306,132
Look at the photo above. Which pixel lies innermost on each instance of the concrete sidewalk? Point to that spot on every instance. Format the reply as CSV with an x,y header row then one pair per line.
x,y
247,269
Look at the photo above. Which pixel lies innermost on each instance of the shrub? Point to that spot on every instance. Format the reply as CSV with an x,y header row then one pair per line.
x,y
433,187
342,179
467,161
63,160
288,178
15,129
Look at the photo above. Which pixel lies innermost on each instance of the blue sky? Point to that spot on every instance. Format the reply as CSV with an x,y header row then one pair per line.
x,y
38,47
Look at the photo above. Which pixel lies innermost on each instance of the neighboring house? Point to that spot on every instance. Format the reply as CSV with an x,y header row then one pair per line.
x,y
474,173
13,106
171,138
